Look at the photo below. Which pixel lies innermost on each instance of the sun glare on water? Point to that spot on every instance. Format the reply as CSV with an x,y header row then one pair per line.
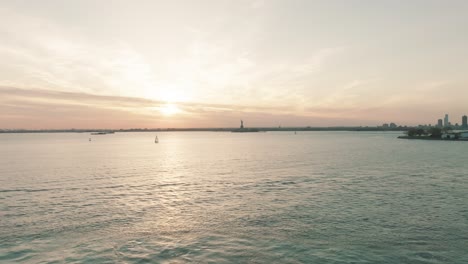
x,y
169,109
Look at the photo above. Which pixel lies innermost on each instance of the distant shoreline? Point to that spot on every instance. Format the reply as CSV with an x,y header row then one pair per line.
x,y
259,129
431,138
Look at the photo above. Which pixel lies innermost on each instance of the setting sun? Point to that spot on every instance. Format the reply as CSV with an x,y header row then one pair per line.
x,y
169,109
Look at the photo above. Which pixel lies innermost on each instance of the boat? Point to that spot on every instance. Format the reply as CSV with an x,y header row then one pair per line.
x,y
102,133
156,140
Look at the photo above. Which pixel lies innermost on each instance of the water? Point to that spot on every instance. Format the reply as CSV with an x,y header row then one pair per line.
x,y
207,197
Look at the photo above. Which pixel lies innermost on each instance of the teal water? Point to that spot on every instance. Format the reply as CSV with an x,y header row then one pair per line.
x,y
206,197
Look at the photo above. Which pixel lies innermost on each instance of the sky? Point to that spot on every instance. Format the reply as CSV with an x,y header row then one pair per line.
x,y
161,64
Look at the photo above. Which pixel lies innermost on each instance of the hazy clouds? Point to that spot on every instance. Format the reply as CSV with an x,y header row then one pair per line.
x,y
297,62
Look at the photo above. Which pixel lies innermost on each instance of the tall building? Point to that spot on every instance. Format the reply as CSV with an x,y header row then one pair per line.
x,y
464,121
439,123
446,120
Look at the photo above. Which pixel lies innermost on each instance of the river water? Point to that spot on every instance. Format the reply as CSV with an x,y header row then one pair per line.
x,y
216,197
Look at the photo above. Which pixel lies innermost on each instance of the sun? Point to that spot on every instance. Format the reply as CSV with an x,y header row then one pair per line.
x,y
169,109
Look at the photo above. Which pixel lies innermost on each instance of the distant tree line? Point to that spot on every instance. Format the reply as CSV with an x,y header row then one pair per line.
x,y
434,132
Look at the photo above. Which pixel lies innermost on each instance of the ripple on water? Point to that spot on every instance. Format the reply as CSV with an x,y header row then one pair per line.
x,y
17,255
225,198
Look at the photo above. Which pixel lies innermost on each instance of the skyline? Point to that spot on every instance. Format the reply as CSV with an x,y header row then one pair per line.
x,y
183,64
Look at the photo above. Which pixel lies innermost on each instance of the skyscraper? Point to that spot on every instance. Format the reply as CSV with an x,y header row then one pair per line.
x,y
464,121
439,123
446,120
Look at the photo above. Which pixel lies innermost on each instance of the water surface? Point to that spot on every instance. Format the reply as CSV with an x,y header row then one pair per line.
x,y
210,197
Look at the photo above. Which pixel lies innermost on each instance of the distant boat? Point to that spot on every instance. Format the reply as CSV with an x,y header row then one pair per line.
x,y
102,133
156,140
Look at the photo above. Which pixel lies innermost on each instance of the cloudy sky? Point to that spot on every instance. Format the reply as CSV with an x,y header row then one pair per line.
x,y
121,64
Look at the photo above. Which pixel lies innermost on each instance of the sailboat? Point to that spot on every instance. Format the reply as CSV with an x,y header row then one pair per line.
x,y
156,140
